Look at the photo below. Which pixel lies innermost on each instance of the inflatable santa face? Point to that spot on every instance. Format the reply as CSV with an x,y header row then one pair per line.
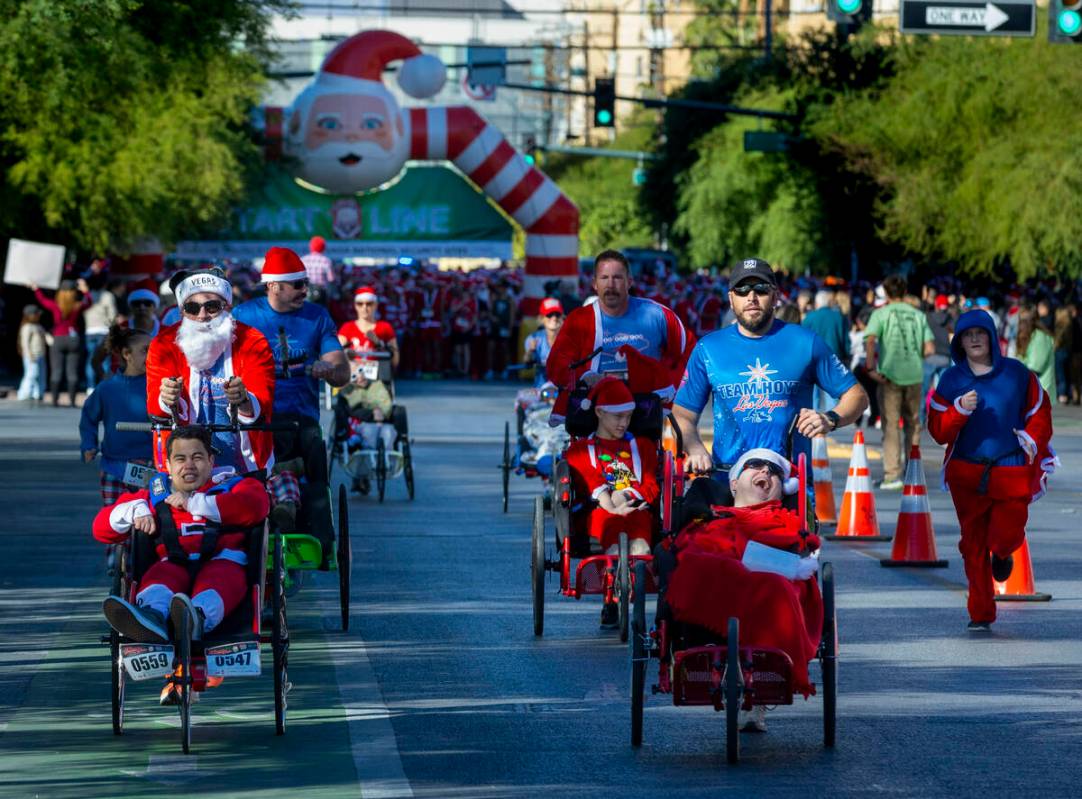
x,y
345,130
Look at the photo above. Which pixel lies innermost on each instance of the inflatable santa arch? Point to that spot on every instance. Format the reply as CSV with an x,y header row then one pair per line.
x,y
346,133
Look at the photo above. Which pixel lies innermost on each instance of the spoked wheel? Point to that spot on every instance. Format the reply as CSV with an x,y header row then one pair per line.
x,y
640,655
345,555
184,643
407,467
623,584
505,464
537,566
381,468
828,657
734,687
119,678
279,637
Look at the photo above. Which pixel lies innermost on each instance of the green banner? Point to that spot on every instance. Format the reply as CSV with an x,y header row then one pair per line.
x,y
431,211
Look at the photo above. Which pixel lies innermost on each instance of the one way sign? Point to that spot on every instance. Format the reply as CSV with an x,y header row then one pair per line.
x,y
960,18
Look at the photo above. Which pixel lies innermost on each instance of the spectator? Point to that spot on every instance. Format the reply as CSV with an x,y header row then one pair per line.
x,y
65,351
501,323
941,322
320,268
904,340
97,318
1036,349
31,345
833,328
1063,340
859,370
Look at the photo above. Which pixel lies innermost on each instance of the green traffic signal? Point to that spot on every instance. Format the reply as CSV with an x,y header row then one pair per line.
x,y
1069,22
849,6
604,117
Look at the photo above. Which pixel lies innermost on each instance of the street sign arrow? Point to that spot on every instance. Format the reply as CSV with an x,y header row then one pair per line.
x,y
968,17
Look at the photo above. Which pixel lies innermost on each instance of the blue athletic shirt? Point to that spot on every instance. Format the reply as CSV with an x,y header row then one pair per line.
x,y
644,326
543,348
118,399
759,386
310,334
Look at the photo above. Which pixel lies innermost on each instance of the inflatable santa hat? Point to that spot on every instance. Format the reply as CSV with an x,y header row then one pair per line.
x,y
611,395
357,65
790,482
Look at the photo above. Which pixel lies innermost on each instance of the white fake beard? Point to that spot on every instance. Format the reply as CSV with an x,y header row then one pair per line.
x,y
204,342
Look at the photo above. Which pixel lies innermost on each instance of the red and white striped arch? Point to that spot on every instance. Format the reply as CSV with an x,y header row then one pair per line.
x,y
462,136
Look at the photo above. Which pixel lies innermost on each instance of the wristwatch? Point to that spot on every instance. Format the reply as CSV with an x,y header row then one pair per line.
x,y
834,419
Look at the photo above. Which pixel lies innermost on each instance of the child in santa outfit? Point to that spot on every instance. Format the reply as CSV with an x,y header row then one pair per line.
x,y
996,421
617,471
186,582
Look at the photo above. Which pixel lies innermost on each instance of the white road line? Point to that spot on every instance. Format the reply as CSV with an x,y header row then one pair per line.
x,y
371,734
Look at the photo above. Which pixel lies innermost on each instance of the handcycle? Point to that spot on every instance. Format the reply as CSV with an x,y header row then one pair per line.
x,y
697,669
232,649
379,461
611,576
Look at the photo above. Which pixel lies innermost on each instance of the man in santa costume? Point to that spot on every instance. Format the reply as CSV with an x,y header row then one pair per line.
x,y
201,516
618,320
618,472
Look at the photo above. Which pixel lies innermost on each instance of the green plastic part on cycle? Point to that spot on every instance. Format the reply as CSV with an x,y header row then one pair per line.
x,y
302,551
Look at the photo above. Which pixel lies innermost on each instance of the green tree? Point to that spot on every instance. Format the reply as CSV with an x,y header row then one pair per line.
x,y
974,143
121,118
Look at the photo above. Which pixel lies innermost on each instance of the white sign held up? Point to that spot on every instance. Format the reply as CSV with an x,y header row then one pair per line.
x,y
31,262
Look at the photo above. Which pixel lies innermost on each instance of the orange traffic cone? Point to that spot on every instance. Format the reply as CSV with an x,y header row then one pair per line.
x,y
1020,587
858,520
914,538
825,511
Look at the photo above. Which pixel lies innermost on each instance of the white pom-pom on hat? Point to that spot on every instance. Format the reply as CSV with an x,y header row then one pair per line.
x,y
422,76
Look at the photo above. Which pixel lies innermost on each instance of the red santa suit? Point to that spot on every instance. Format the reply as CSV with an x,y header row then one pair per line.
x,y
652,329
710,584
249,358
231,503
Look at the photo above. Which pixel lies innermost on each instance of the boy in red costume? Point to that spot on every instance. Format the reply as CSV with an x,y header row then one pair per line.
x,y
617,471
710,583
207,510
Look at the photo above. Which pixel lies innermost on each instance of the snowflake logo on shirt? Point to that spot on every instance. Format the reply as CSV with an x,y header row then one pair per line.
x,y
760,373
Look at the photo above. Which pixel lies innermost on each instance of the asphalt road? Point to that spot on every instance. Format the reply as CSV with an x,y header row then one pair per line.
x,y
441,690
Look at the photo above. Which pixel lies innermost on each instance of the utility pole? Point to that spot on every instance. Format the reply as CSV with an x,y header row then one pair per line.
x,y
657,47
586,75
550,78
768,36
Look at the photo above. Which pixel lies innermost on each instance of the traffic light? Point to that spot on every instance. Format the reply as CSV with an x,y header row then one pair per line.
x,y
850,12
529,148
1065,21
605,102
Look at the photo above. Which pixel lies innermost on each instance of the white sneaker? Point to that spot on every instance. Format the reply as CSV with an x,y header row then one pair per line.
x,y
753,720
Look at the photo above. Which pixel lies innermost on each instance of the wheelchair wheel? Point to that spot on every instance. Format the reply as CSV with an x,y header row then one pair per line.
x,y
381,468
734,687
117,671
279,640
640,656
561,502
623,584
345,555
505,464
520,418
829,658
537,566
407,467
184,645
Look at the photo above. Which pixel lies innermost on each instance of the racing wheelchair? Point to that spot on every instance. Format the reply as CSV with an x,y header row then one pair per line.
x,y
233,649
537,445
614,577
698,669
379,461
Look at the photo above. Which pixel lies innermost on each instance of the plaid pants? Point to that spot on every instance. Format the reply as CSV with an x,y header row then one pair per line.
x,y
113,487
284,487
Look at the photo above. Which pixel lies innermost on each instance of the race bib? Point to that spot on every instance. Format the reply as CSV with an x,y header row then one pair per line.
x,y
146,661
370,370
233,660
135,474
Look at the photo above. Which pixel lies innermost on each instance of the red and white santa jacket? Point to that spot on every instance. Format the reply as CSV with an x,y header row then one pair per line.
x,y
602,464
250,359
352,337
226,500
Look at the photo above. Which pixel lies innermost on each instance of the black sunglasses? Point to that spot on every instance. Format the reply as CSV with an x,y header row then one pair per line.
x,y
762,289
759,463
551,315
141,304
298,284
213,307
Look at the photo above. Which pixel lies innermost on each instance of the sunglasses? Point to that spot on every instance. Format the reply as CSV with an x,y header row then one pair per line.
x,y
298,284
761,289
141,304
758,463
212,307
554,316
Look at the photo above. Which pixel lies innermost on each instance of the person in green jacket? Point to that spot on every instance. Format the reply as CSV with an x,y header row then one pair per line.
x,y
1036,349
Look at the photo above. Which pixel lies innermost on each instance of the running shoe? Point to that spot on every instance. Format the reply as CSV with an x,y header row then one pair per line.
x,y
1002,567
890,485
610,616
980,626
141,624
753,720
181,608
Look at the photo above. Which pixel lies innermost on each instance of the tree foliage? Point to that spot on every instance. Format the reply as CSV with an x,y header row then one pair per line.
x,y
121,119
975,145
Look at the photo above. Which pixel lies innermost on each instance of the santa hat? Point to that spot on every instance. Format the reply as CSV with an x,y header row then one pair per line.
x,y
185,284
146,295
790,482
364,56
611,395
551,305
317,244
282,265
365,294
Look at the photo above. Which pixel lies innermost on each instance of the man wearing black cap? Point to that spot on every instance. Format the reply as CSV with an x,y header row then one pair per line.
x,y
760,373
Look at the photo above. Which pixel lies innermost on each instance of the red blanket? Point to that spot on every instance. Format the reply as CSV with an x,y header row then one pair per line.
x,y
710,585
